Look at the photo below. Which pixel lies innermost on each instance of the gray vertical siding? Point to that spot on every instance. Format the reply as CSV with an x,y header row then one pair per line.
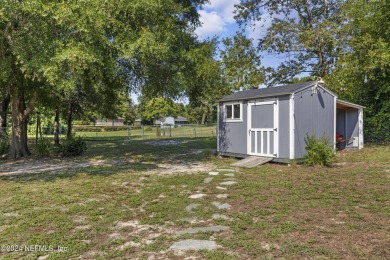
x,y
352,117
284,127
313,115
233,135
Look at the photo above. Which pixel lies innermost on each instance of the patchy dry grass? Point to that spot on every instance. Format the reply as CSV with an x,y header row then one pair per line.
x,y
339,212
129,210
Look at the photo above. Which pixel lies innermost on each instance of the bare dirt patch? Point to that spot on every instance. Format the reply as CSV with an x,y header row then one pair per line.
x,y
135,235
33,166
26,166
190,168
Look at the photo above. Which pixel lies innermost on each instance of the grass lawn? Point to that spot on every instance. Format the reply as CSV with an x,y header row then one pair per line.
x,y
131,205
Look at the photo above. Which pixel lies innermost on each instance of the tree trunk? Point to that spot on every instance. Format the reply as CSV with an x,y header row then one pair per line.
x,y
19,125
69,123
39,128
57,126
36,130
3,115
203,117
206,111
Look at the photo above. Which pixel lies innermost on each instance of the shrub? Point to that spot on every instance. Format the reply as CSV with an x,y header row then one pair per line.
x,y
73,146
42,148
319,151
4,144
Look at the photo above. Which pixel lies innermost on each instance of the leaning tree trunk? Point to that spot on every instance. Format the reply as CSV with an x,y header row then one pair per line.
x,y
205,113
57,126
20,113
19,125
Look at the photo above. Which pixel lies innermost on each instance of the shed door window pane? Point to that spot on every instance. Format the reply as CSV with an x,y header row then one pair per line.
x,y
237,111
229,111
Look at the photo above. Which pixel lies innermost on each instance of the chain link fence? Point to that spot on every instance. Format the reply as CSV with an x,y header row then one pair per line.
x,y
146,132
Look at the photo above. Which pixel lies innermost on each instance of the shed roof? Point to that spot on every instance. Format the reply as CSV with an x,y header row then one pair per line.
x,y
347,104
268,92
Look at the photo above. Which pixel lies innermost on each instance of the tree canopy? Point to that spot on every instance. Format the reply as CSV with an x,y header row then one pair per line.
x,y
363,71
158,108
95,46
303,32
241,63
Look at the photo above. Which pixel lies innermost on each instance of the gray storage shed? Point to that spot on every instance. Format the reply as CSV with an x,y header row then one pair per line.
x,y
273,122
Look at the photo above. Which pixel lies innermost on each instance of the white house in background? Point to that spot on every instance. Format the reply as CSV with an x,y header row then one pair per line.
x,y
172,121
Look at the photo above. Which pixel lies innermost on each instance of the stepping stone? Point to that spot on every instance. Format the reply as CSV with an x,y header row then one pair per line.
x,y
220,216
221,188
202,229
197,196
229,174
194,244
222,196
208,180
225,170
213,173
192,206
228,183
220,205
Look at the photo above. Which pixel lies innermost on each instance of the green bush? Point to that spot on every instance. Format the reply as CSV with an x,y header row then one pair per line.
x,y
319,151
73,146
42,148
4,144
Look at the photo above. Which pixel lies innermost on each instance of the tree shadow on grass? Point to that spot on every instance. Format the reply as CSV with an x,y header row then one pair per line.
x,y
110,158
68,173
178,150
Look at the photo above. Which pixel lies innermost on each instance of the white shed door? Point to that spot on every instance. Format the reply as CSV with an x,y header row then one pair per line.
x,y
263,128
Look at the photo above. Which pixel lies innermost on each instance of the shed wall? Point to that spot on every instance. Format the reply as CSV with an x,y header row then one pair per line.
x,y
352,125
232,135
284,127
313,114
